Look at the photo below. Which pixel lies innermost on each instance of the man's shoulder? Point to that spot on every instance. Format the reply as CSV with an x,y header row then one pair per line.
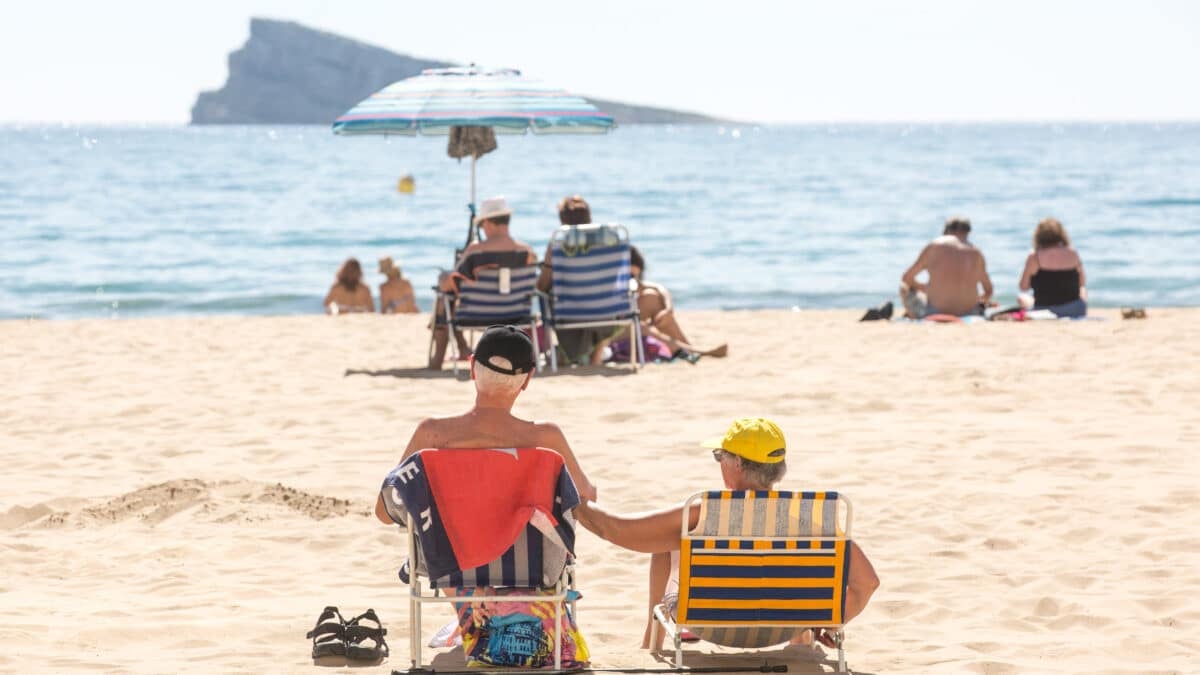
x,y
548,433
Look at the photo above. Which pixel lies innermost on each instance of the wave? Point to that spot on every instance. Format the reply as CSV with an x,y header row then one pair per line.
x,y
1166,201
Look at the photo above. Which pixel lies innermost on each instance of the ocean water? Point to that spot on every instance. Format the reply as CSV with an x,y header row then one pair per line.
x,y
129,221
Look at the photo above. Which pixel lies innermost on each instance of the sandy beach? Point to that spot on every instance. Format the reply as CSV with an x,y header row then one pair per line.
x,y
187,494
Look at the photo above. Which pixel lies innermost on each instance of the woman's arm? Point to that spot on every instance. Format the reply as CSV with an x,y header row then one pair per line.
x,y
1031,268
861,583
1082,278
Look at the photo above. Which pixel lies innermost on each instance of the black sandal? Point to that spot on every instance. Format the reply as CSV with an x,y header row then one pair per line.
x,y
328,635
364,641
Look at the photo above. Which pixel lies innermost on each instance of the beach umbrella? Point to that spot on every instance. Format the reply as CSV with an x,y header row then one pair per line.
x,y
458,101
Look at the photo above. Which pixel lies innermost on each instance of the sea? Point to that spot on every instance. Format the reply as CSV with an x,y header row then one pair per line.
x,y
136,221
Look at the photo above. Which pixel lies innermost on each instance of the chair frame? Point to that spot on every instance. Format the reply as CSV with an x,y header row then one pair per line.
x,y
417,599
663,621
636,358
532,321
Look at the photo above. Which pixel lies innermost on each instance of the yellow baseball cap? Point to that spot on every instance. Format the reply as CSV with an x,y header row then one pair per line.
x,y
757,439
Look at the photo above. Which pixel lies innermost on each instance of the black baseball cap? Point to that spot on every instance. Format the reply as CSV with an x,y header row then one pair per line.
x,y
510,343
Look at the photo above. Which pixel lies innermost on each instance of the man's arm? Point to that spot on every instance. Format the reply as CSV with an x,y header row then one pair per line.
x,y
909,278
985,281
553,438
419,441
649,532
861,583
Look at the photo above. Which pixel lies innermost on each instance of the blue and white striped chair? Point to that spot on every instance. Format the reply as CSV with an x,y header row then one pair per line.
x,y
537,561
590,284
489,299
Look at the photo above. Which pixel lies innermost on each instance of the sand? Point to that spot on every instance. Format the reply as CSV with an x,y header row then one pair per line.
x,y
187,494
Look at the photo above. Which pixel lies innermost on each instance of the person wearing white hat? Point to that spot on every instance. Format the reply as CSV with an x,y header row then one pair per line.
x,y
498,248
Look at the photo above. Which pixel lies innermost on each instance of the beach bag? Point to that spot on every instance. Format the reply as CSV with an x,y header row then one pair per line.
x,y
518,633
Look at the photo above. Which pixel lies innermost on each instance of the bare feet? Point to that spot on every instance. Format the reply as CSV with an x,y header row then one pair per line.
x,y
720,351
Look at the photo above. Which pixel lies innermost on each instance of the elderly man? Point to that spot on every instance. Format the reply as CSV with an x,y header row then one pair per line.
x,y
956,271
751,455
501,368
498,248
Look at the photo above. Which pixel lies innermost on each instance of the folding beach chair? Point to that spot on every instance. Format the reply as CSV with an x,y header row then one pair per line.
x,y
759,568
479,519
590,283
498,294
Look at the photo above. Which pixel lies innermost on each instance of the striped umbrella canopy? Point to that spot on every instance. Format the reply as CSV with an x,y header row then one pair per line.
x,y
441,98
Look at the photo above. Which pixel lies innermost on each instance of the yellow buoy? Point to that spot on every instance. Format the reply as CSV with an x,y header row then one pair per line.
x,y
407,185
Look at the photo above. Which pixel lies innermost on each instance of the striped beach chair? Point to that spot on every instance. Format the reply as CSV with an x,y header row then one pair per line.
x,y
481,519
760,567
590,283
496,295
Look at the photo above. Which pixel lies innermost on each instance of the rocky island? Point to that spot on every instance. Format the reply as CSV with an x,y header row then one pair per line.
x,y
291,74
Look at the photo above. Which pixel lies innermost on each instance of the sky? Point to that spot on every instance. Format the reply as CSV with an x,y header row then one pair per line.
x,y
798,61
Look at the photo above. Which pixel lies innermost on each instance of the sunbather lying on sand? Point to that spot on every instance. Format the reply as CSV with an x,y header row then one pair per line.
x,y
751,455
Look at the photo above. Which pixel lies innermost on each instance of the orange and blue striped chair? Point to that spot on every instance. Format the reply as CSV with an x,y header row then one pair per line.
x,y
760,567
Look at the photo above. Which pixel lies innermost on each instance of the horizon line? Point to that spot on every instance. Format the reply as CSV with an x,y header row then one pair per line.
x,y
713,123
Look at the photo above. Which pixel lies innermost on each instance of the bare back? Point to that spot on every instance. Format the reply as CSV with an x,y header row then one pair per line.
x,y
497,428
396,297
357,300
478,430
956,269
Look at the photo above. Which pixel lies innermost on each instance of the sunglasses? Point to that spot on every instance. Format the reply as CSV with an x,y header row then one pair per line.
x,y
719,454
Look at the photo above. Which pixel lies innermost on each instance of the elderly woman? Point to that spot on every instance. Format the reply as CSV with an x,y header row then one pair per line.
x,y
1055,273
349,293
751,456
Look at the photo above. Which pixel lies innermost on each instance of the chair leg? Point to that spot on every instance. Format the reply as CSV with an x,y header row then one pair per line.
x,y
552,336
558,606
537,350
678,647
414,612
839,638
637,352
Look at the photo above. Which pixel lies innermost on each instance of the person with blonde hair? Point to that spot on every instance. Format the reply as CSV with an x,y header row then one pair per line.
x,y
1054,272
349,293
395,294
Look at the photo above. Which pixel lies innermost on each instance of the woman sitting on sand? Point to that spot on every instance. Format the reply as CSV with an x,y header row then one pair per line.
x,y
658,314
349,293
395,294
1055,273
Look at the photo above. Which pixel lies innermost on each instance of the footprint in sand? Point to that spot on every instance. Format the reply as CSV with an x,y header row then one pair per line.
x,y
1046,607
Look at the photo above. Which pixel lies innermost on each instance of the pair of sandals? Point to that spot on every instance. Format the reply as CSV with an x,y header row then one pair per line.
x,y
359,639
1133,312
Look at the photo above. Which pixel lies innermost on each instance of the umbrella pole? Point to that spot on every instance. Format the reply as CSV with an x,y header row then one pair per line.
x,y
472,231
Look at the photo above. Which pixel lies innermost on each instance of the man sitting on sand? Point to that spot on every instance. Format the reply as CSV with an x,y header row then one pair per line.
x,y
501,368
498,249
956,270
751,455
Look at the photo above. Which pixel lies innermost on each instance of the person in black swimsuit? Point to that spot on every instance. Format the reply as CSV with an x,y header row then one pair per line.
x,y
1054,272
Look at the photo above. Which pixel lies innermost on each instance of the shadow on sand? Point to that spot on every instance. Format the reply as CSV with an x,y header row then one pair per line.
x,y
464,375
799,660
